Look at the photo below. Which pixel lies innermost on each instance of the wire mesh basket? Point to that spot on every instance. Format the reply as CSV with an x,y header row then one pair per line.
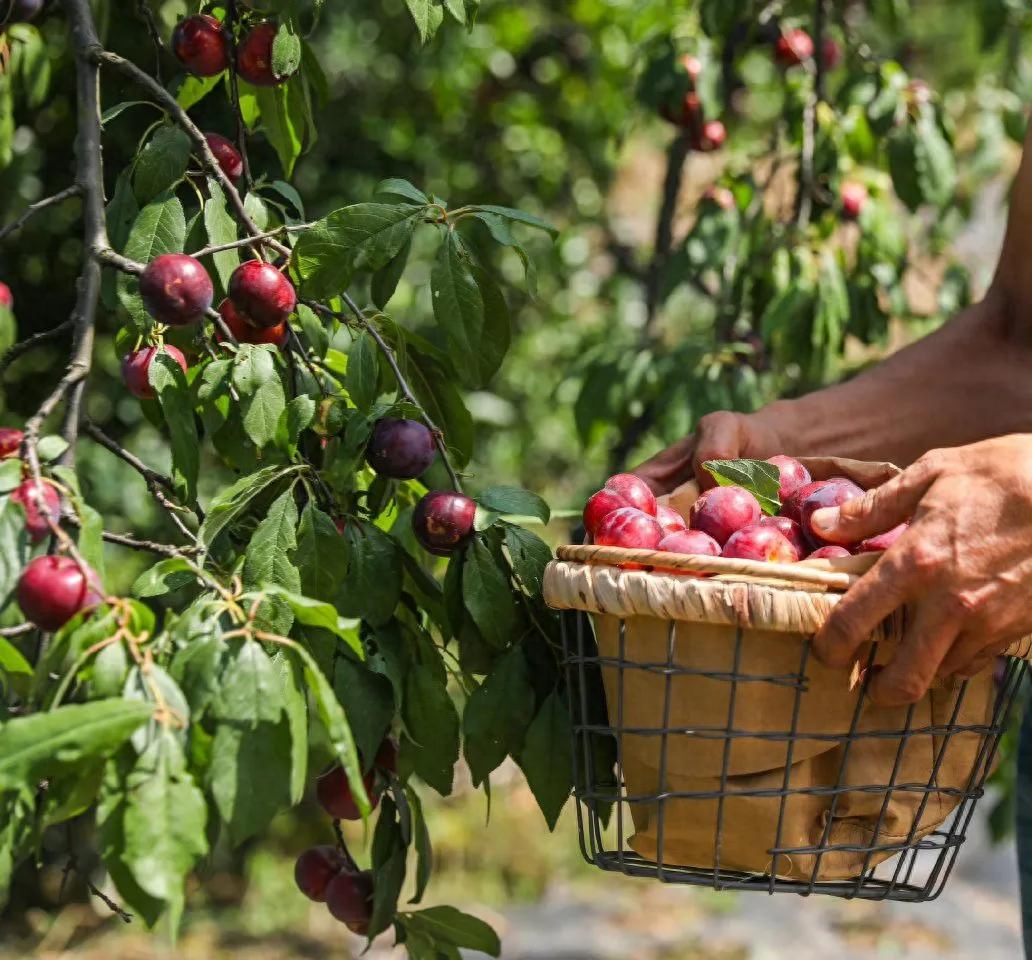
x,y
712,748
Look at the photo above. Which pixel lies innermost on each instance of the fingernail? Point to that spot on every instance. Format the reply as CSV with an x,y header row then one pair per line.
x,y
826,518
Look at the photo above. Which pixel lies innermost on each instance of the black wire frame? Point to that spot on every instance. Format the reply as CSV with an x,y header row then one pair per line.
x,y
915,868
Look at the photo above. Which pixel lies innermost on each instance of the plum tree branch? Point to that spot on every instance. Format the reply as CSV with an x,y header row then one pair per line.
x,y
36,340
38,207
232,15
248,241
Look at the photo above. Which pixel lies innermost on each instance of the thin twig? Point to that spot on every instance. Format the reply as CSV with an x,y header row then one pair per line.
x,y
144,13
234,90
73,864
36,340
19,630
248,241
33,208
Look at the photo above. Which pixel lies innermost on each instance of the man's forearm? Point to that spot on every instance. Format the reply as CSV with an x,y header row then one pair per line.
x,y
969,381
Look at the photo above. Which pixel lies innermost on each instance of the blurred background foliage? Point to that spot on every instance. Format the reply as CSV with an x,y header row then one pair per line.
x,y
553,106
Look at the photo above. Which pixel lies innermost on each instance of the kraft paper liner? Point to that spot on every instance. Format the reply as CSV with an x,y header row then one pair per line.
x,y
909,783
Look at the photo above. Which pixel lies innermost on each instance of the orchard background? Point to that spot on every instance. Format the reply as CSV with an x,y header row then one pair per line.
x,y
560,233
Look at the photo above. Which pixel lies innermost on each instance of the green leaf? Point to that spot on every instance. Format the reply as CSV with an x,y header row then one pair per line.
x,y
267,561
90,541
428,16
389,856
119,108
497,715
546,758
386,279
253,366
194,89
297,416
372,587
166,576
162,162
421,839
518,216
314,613
514,500
365,236
335,724
433,725
486,594
529,555
283,121
760,478
221,228
249,687
295,708
363,372
458,305
169,383
396,188
250,775
320,556
164,823
50,448
448,925
14,546
263,410
44,744
233,501
159,228
368,701
31,63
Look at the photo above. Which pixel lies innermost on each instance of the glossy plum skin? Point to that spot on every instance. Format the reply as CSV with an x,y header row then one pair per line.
x,y
228,156
349,897
28,496
693,542
443,521
721,511
793,47
401,449
883,541
315,868
760,541
261,294
254,57
630,528
246,333
836,493
790,530
200,45
136,369
791,507
53,589
832,552
854,198
21,11
6,297
10,442
333,792
621,490
670,520
176,289
793,475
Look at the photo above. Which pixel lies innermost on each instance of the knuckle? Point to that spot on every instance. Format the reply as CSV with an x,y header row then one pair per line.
x,y
924,559
967,603
909,688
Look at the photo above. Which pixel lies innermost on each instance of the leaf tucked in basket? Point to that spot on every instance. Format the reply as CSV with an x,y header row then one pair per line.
x,y
760,478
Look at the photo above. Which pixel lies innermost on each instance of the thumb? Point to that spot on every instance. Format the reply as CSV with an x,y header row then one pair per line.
x,y
878,510
718,437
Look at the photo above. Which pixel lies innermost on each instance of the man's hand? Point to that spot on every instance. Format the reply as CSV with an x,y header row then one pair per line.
x,y
719,436
964,566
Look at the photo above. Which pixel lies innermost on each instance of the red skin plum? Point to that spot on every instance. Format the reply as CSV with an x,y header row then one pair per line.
x,y
136,369
10,442
621,490
349,896
254,57
670,520
883,541
200,45
832,552
315,868
831,52
333,792
854,197
692,542
226,154
834,494
790,530
261,294
245,333
29,495
720,196
443,522
793,475
689,116
760,541
176,289
692,66
791,507
721,511
386,758
53,589
401,449
793,47
630,528
712,137
6,297
598,507
20,11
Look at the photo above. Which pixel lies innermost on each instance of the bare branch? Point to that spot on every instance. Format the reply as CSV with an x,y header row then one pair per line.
x,y
40,205
19,630
144,13
36,340
249,241
232,15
